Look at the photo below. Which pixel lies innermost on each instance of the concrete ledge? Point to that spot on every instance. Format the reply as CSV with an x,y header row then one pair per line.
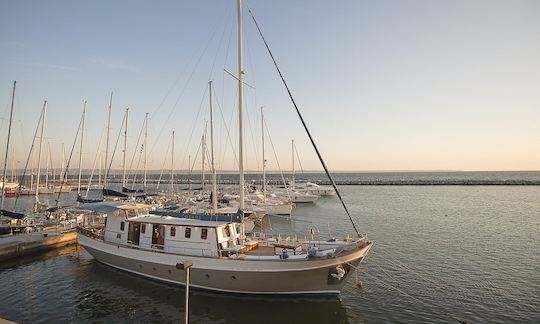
x,y
26,244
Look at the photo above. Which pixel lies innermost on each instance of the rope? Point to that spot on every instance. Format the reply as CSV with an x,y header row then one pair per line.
x,y
304,124
68,161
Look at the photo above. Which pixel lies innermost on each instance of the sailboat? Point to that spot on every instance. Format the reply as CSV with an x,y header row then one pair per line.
x,y
223,257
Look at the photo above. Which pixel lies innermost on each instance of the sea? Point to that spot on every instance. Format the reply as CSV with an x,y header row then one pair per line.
x,y
441,254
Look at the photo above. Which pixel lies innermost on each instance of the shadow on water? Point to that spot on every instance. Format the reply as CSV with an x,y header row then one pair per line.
x,y
109,294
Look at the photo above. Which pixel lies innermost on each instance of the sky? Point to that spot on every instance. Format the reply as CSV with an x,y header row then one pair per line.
x,y
382,85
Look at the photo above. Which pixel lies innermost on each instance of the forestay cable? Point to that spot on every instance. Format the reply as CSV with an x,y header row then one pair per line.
x,y
304,124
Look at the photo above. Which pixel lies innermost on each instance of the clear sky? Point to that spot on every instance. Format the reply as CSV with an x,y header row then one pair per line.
x,y
383,85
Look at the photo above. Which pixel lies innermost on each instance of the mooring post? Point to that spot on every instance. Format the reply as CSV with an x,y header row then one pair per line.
x,y
186,265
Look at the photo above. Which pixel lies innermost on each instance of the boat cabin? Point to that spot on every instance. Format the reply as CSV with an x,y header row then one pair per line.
x,y
131,225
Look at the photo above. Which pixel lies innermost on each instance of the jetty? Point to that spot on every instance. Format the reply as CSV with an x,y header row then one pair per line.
x,y
25,244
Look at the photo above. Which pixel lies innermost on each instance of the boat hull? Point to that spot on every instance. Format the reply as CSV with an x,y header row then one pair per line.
x,y
312,277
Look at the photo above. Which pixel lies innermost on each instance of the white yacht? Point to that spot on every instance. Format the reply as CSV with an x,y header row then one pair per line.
x,y
223,258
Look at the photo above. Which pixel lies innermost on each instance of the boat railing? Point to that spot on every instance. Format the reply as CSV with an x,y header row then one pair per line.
x,y
90,232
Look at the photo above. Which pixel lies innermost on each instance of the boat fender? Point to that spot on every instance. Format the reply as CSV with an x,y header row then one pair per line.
x,y
312,252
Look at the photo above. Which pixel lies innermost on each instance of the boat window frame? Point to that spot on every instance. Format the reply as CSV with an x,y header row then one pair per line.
x,y
172,231
143,228
187,233
122,225
205,231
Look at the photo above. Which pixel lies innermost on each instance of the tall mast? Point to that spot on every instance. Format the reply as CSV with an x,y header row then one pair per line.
x,y
100,169
293,180
107,144
125,149
172,165
214,176
13,164
145,147
48,164
63,162
7,145
203,146
240,106
39,151
81,147
263,159
189,172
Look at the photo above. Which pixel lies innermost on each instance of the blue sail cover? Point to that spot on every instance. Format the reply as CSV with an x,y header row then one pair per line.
x,y
11,214
232,217
103,207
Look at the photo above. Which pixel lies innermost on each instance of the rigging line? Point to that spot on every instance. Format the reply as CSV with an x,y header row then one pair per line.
x,y
115,146
298,158
412,297
304,124
163,165
95,160
27,161
68,161
137,166
277,160
195,122
135,153
228,132
186,84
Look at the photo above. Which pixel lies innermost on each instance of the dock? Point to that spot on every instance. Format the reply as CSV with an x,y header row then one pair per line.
x,y
25,244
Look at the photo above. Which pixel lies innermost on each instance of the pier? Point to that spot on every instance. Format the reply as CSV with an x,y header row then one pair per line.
x,y
25,244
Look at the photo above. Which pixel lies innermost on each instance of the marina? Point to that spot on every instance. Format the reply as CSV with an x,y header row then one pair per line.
x,y
194,162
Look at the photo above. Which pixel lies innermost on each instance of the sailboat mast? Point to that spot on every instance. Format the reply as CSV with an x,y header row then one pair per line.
x,y
81,148
125,149
263,158
48,164
293,180
7,145
214,176
40,147
172,165
145,147
100,169
189,172
63,161
13,164
240,106
202,164
107,144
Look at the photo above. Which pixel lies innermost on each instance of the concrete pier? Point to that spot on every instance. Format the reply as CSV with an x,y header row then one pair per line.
x,y
24,244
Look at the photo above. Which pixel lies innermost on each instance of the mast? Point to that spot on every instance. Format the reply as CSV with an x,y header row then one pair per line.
x,y
172,165
145,147
40,147
7,145
125,149
202,164
214,176
240,106
63,161
13,164
263,159
100,169
107,144
81,148
189,172
48,163
293,180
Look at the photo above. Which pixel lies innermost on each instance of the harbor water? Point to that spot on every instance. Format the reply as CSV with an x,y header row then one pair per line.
x,y
442,254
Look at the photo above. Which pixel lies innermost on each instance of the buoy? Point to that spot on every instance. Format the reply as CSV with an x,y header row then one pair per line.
x,y
359,284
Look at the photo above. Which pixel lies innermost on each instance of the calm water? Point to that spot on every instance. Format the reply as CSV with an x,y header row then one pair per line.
x,y
441,253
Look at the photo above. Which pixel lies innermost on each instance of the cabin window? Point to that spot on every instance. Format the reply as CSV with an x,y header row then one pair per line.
x,y
204,233
122,226
173,230
188,232
143,228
